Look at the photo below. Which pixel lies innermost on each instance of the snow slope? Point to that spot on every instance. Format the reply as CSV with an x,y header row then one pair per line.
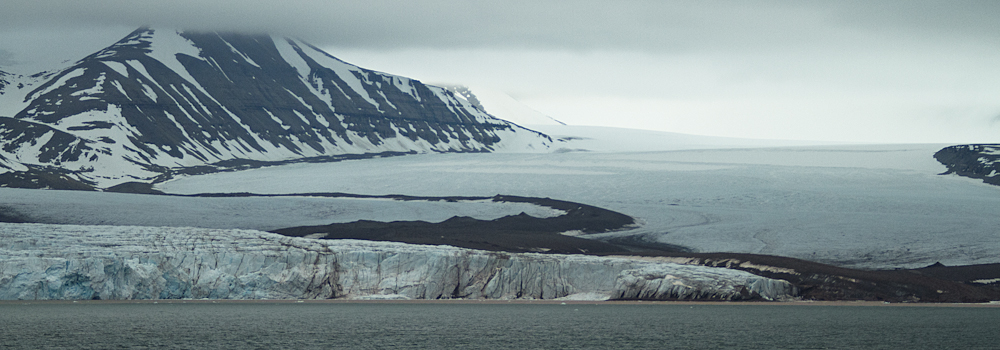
x,y
865,206
56,262
11,97
162,99
505,107
606,139
257,213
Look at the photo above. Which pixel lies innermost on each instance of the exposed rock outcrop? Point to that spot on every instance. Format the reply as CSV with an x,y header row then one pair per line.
x,y
974,161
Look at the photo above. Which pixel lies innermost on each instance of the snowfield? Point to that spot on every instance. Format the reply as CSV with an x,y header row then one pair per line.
x,y
861,206
256,213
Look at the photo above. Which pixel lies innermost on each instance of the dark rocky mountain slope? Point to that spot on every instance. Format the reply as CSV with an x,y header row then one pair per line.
x,y
160,101
974,161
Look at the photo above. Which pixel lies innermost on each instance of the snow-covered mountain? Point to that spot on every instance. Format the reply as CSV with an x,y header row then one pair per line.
x,y
163,99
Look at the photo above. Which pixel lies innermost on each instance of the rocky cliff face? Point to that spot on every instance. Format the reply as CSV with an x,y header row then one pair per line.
x,y
55,262
5,79
161,99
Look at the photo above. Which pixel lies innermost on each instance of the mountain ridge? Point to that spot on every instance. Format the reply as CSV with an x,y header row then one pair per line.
x,y
160,99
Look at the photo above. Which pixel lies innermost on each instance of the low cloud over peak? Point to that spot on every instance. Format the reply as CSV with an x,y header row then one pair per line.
x,y
893,70
575,25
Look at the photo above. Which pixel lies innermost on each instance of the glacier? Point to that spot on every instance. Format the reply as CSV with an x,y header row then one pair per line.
x,y
68,262
855,206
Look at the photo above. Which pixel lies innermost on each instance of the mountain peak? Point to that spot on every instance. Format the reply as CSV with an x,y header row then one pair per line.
x,y
162,99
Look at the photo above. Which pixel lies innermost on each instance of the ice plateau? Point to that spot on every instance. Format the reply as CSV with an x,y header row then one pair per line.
x,y
856,206
66,262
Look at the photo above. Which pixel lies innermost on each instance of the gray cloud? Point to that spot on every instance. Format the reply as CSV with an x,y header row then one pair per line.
x,y
645,25
6,58
861,70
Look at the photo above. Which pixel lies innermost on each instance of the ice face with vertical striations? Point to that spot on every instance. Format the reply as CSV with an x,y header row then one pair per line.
x,y
63,262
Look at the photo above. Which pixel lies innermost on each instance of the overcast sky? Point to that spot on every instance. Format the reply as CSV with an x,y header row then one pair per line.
x,y
867,71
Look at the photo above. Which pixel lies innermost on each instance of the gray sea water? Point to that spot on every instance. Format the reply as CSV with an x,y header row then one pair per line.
x,y
492,326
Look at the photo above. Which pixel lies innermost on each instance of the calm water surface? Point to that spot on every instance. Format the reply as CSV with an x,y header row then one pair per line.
x,y
493,326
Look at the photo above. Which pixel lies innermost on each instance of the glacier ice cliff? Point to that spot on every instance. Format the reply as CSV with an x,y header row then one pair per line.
x,y
66,262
